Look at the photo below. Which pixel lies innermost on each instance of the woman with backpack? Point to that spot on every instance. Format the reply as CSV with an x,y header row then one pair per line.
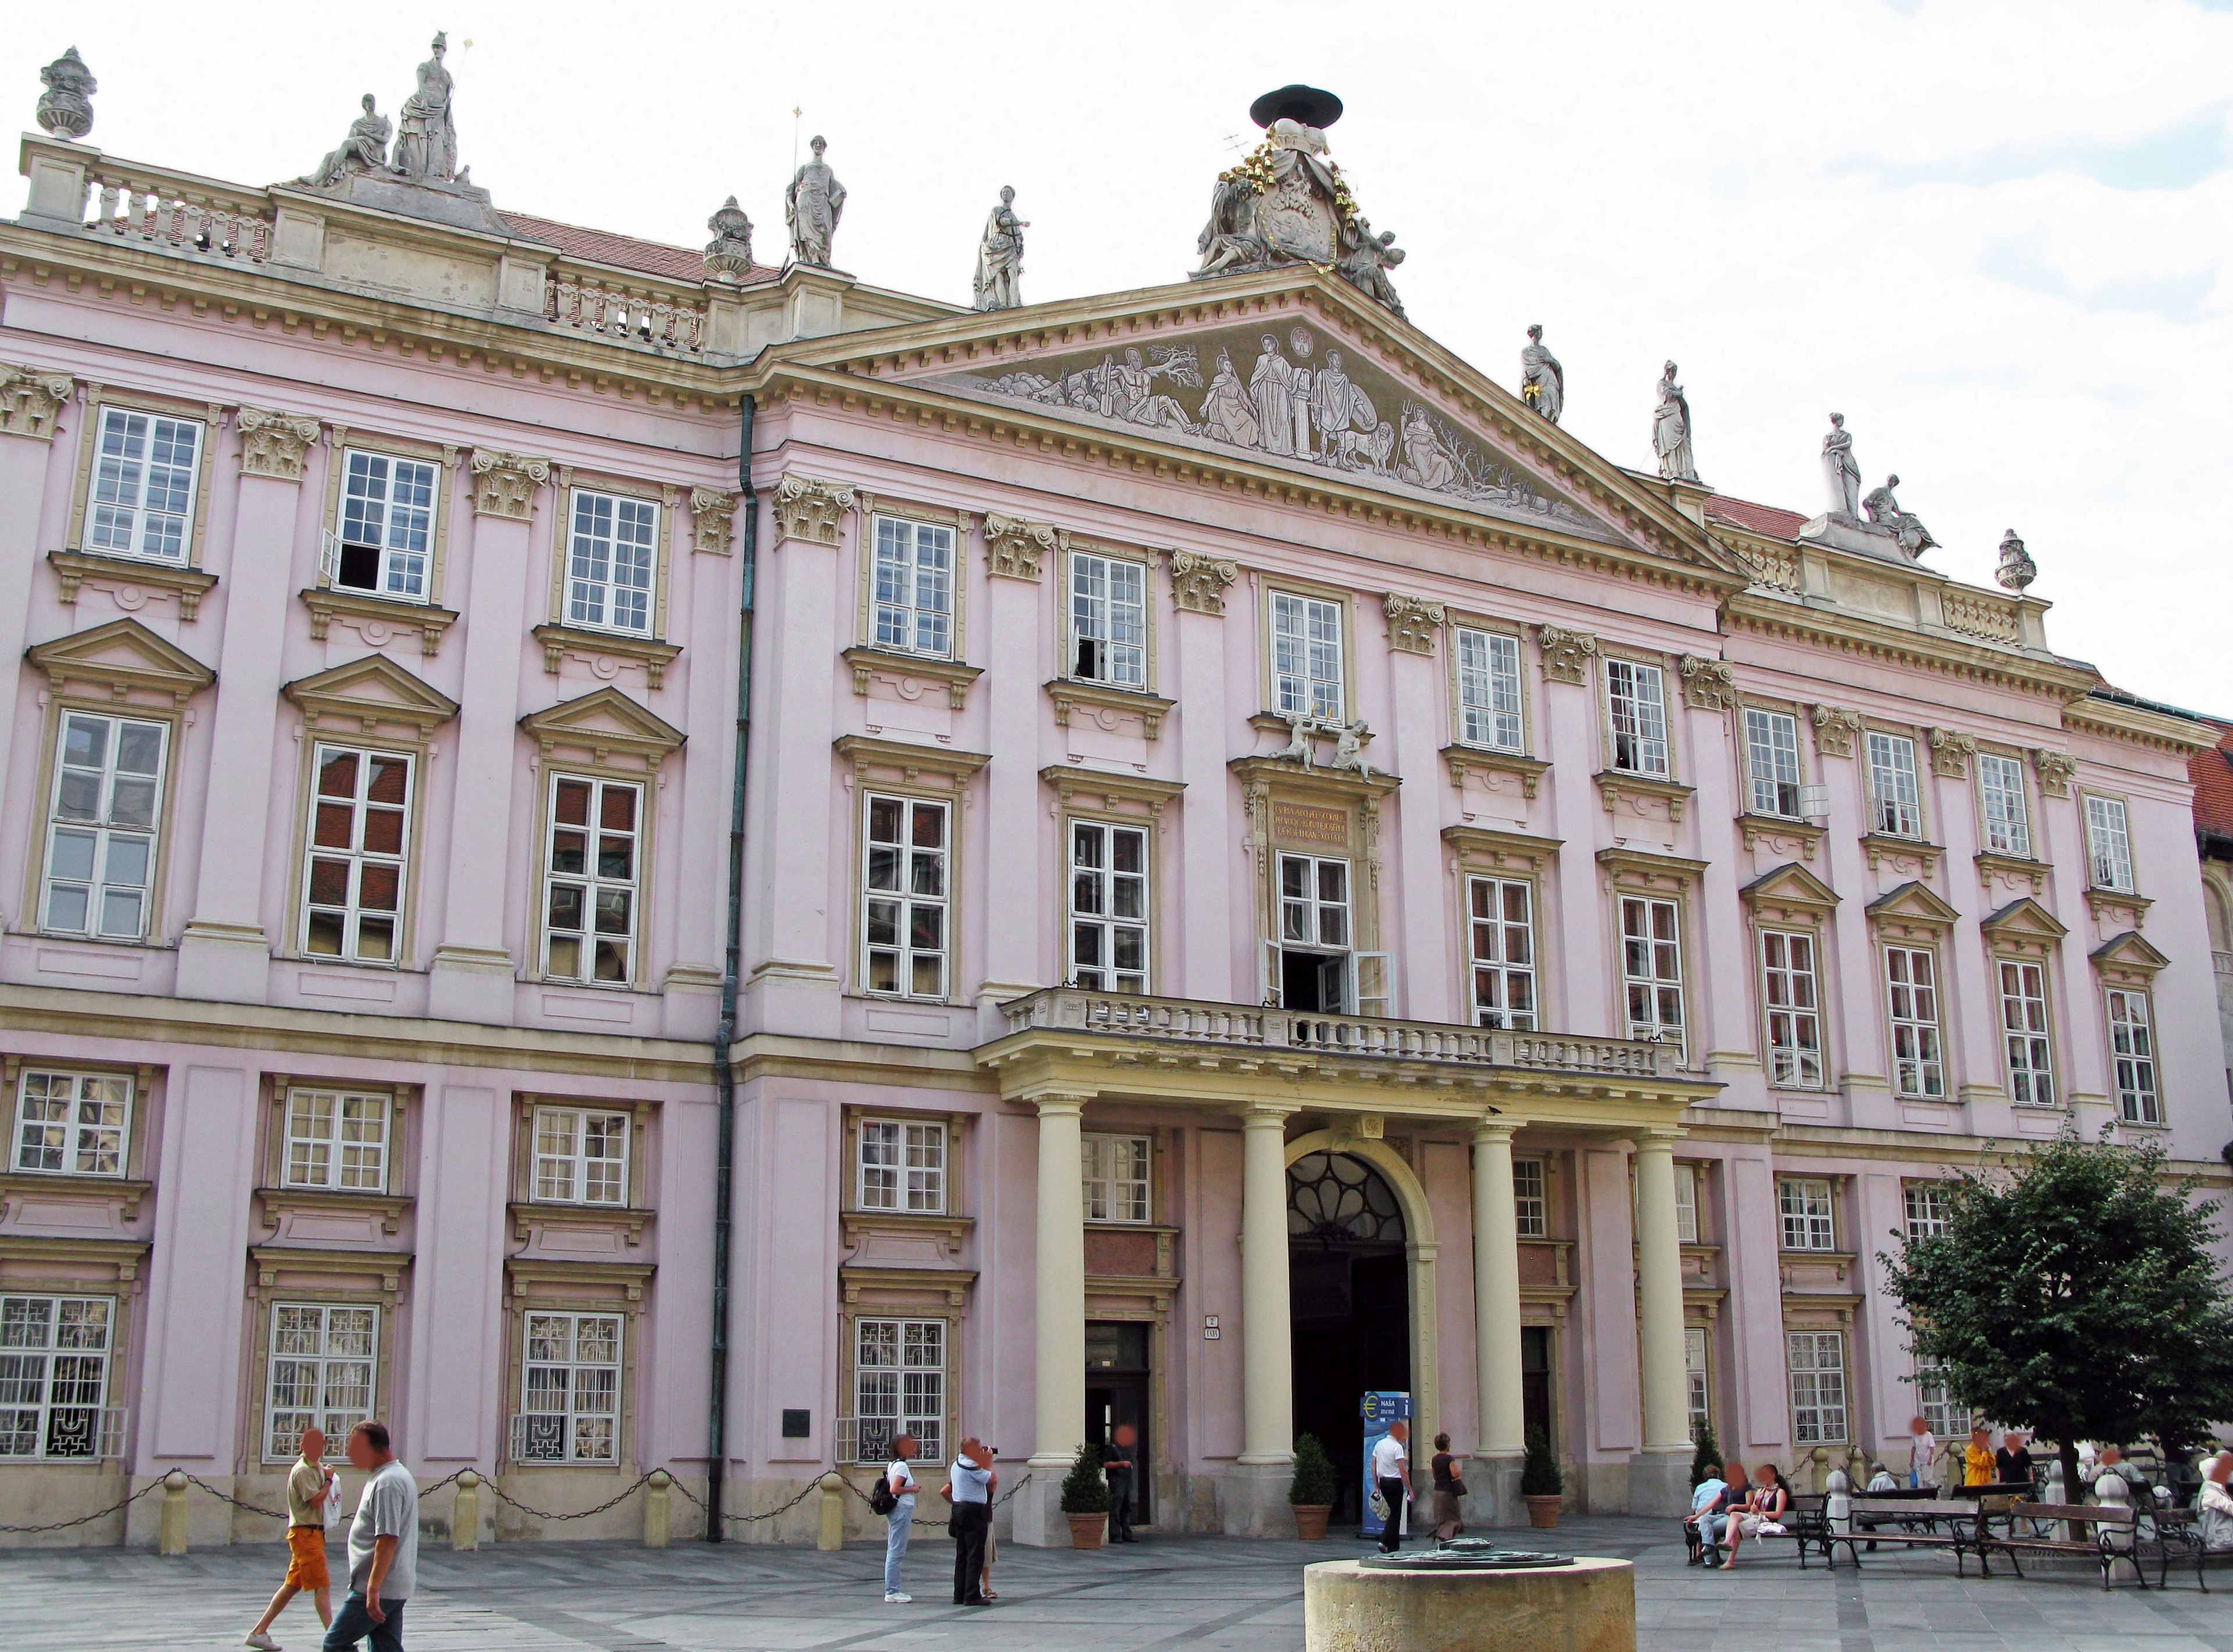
x,y
893,1499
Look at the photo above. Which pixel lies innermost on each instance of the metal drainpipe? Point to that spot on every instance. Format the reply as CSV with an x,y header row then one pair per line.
x,y
725,1083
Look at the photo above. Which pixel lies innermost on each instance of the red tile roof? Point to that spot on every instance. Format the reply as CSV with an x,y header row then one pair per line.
x,y
600,246
2213,785
1759,518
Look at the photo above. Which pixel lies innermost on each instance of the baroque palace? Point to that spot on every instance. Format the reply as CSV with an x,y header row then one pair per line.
x,y
636,859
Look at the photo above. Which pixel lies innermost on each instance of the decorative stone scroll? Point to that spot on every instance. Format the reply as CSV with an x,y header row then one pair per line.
x,y
1199,582
30,400
2054,770
1950,753
273,444
807,508
712,520
1412,622
1835,729
1566,655
1014,547
1708,685
504,483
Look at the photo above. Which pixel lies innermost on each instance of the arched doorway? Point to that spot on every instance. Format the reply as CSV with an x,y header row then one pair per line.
x,y
1349,1266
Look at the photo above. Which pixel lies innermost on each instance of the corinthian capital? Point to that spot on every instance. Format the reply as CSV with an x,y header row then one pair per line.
x,y
273,444
504,483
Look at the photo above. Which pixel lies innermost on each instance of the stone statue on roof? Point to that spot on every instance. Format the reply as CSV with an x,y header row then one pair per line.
x,y
365,150
811,206
428,147
2016,569
1366,263
1542,380
1885,513
998,283
1842,470
66,106
729,254
1670,431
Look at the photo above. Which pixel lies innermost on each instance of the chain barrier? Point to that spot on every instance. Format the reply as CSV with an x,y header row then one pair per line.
x,y
582,1514
920,1520
808,1490
64,1525
226,1497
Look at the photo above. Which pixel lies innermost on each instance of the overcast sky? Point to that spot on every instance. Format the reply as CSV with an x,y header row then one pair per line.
x,y
1992,235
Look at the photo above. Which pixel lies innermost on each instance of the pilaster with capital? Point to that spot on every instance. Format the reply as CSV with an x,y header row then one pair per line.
x,y
1199,582
504,483
31,400
809,508
274,444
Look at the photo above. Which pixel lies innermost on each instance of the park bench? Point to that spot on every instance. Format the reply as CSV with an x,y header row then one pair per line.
x,y
2114,1536
1805,1524
2179,1538
1912,1523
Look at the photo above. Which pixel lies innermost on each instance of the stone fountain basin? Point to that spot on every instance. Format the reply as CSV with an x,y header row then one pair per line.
x,y
1586,1605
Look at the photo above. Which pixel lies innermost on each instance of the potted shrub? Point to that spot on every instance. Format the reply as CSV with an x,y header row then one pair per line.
x,y
1085,1499
1541,1482
1707,1457
1312,1492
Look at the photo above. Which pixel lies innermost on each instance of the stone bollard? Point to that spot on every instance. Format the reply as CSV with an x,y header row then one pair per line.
x,y
170,1534
465,1513
832,1532
658,1506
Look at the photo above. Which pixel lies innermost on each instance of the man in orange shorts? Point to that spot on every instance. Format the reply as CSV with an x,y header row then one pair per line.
x,y
309,1482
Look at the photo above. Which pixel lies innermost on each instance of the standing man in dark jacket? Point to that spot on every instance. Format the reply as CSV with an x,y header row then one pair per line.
x,y
1120,1460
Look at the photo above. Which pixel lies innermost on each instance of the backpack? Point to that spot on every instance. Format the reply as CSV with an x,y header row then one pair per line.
x,y
880,1495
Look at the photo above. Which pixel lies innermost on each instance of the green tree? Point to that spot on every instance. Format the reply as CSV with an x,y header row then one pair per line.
x,y
2074,1294
1707,1457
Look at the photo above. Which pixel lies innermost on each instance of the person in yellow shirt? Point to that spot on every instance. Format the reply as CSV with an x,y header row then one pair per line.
x,y
309,1483
1977,1467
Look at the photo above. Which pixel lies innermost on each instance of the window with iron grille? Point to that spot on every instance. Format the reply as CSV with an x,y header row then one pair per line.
x,y
2001,795
2024,1031
2108,844
1895,797
1115,1176
903,1166
1804,1202
903,909
386,527
1636,696
912,605
108,804
613,563
54,1376
1793,998
1306,662
1772,762
1108,907
570,1408
1651,967
590,895
1818,1385
321,1365
353,893
1911,989
1108,620
581,1156
1531,1199
2132,1053
71,1123
337,1139
1500,949
1488,689
899,1386
143,486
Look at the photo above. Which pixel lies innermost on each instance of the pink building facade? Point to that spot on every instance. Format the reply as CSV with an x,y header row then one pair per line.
x,y
1242,901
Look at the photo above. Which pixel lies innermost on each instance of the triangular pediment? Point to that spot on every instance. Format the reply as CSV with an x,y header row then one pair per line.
x,y
1789,885
602,723
1344,399
2024,916
1915,903
2128,959
120,656
367,693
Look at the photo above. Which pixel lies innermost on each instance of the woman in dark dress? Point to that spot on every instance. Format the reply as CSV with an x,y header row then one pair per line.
x,y
1447,1489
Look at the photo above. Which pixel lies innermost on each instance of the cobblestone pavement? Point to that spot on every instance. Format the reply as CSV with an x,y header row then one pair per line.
x,y
1204,1594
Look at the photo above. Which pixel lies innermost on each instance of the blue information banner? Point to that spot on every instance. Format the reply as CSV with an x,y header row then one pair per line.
x,y
1379,1408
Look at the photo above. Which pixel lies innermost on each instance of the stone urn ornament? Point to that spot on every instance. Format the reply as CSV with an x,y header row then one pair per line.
x,y
66,106
1311,1493
1085,1501
2016,569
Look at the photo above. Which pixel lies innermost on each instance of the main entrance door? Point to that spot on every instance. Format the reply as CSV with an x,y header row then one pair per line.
x,y
1117,1393
1350,1293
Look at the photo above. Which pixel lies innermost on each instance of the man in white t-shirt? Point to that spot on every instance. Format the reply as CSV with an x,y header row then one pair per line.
x,y
1391,1473
901,1521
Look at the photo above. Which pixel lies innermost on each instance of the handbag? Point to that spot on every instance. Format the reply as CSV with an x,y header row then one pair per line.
x,y
1377,1504
1458,1488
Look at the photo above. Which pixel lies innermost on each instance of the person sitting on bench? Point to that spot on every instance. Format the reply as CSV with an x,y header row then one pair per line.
x,y
1770,1501
1706,1499
2214,1509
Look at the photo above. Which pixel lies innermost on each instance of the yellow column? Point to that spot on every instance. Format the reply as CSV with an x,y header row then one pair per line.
x,y
1267,1404
1659,1297
1061,1303
1497,1292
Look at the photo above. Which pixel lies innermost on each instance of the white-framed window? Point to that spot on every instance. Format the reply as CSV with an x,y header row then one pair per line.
x,y
1945,1417
1306,657
1686,1203
2132,1053
1894,798
2001,796
1531,1199
905,884
1919,1067
1772,763
590,895
387,526
2023,1026
1804,1202
899,1386
1115,1173
1817,1361
54,1376
1314,901
1108,620
1500,951
2108,844
903,1166
1791,992
1636,697
1693,1367
319,1374
581,1156
1108,907
107,806
612,563
360,833
337,1139
912,605
71,1123
570,1390
143,486
1488,689
1651,967
1926,1209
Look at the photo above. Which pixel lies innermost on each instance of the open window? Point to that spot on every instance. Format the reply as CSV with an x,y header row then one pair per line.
x,y
1313,966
